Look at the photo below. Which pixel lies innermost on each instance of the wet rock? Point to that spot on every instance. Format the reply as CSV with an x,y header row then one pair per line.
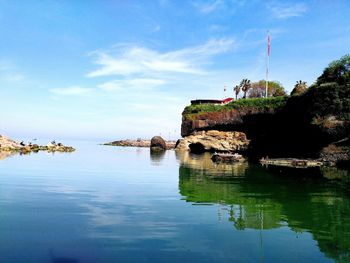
x,y
158,144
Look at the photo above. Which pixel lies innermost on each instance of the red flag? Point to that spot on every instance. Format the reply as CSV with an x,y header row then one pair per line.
x,y
268,45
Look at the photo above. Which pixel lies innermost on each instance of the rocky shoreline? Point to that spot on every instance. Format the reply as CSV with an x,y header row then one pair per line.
x,y
9,147
139,143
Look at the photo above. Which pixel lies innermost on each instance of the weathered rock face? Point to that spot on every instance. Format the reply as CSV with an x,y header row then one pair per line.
x,y
220,119
158,144
214,140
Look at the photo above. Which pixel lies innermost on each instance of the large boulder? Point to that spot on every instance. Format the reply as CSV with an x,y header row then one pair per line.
x,y
214,140
158,144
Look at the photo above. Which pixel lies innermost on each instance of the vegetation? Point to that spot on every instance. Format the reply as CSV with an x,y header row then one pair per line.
x,y
253,103
330,95
338,71
237,89
245,86
301,126
299,88
258,89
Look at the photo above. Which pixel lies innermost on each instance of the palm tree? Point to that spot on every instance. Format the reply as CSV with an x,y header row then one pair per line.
x,y
245,85
299,88
237,89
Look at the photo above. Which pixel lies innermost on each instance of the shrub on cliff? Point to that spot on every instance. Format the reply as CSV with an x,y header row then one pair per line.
x,y
252,103
338,71
299,88
330,95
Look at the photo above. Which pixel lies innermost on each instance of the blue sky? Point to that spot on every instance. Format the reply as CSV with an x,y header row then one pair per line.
x,y
126,69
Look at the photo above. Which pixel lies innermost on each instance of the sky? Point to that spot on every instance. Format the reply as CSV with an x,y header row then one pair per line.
x,y
120,69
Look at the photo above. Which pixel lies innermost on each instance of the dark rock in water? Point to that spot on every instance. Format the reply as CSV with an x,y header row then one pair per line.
x,y
158,144
227,157
336,154
178,142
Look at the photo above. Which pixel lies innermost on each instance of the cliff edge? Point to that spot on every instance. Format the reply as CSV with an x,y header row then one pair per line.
x,y
313,124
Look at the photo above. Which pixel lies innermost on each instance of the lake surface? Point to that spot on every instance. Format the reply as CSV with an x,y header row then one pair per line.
x,y
112,204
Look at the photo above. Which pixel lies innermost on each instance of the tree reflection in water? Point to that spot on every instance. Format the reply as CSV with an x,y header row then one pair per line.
x,y
257,198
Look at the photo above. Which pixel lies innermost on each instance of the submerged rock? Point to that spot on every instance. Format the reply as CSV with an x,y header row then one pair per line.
x,y
227,158
213,140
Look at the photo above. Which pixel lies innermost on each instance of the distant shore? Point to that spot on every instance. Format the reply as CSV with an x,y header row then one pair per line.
x,y
139,143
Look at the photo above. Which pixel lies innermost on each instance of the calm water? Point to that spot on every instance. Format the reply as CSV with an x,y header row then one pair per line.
x,y
110,204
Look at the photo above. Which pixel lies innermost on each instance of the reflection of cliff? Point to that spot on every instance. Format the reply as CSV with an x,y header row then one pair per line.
x,y
254,198
203,164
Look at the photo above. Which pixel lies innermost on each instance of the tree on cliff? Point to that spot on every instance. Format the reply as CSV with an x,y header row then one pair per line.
x,y
328,98
245,86
331,92
299,88
237,89
257,89
338,71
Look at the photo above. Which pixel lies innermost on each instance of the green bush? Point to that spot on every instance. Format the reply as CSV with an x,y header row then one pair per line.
x,y
253,103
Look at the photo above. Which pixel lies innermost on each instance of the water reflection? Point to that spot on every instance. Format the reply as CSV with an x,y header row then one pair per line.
x,y
202,163
157,157
5,154
56,259
255,198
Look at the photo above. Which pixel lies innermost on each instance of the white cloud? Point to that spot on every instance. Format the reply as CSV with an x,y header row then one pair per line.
x,y
224,6
136,83
208,6
143,61
283,11
74,90
9,73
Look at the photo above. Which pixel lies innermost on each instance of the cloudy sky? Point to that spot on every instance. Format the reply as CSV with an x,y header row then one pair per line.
x,y
126,68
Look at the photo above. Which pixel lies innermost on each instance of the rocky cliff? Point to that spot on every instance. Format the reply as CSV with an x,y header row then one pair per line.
x,y
222,120
279,132
298,127
214,141
314,123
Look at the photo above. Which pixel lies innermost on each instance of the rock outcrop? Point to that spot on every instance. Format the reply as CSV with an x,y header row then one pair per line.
x,y
291,131
9,147
214,141
158,144
139,143
8,144
221,120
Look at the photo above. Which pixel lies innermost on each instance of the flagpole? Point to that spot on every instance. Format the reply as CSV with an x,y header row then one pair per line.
x,y
267,64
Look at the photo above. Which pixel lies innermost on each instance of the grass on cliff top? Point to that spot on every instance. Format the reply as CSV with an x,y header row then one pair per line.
x,y
254,103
